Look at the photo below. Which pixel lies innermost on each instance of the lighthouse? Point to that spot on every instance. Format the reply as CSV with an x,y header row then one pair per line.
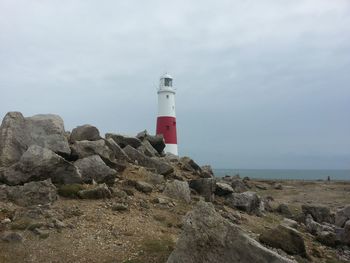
x,y
166,121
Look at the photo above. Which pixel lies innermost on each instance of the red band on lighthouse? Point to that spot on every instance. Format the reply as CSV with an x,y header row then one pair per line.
x,y
167,126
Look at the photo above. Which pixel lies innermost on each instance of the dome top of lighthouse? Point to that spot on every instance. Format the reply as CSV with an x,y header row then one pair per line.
x,y
166,76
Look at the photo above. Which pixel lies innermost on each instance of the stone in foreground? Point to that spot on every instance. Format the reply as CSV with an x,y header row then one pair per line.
x,y
178,190
209,238
285,238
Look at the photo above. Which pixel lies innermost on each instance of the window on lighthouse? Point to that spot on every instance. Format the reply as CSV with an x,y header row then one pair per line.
x,y
168,82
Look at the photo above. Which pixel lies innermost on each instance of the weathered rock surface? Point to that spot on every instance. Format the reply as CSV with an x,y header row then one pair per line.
x,y
157,141
178,190
223,189
209,238
249,202
11,237
143,187
342,215
189,165
18,133
147,149
93,168
124,141
285,238
39,163
160,166
207,171
85,132
319,213
119,154
205,187
33,193
284,210
238,186
99,192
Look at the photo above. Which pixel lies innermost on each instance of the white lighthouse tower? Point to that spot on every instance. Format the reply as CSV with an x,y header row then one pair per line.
x,y
166,121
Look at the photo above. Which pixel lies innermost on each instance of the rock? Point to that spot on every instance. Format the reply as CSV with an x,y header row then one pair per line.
x,y
143,160
5,221
223,189
278,186
189,165
172,157
117,150
124,141
11,237
205,187
92,168
207,171
39,163
249,202
154,178
33,193
315,228
284,210
85,132
99,192
342,215
285,238
238,186
157,141
327,238
82,149
261,186
120,207
319,213
41,233
143,187
18,133
289,223
209,238
58,224
178,190
147,149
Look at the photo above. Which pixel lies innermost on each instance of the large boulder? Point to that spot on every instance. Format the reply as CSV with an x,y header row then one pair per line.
x,y
105,149
188,164
33,193
207,171
342,215
123,140
18,133
92,168
157,141
209,238
85,132
119,153
178,190
205,187
238,185
285,238
160,166
249,202
319,213
38,164
223,189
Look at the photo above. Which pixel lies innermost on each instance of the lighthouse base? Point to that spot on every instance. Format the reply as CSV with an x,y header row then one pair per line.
x,y
171,148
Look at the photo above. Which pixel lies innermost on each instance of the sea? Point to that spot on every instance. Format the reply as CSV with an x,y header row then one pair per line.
x,y
286,174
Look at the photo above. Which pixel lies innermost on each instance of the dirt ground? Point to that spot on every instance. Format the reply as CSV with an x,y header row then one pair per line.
x,y
147,232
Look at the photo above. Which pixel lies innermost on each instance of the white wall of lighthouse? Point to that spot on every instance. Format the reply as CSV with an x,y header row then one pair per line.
x,y
166,121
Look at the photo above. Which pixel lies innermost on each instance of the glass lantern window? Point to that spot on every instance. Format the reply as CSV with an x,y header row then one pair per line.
x,y
168,82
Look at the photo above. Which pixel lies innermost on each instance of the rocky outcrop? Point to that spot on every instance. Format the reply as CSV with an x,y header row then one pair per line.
x,y
205,187
147,149
37,164
123,140
160,166
92,168
249,202
33,193
209,238
188,164
178,190
319,213
18,133
85,132
285,238
207,171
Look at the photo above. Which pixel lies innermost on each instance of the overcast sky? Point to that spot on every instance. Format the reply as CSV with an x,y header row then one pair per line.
x,y
260,84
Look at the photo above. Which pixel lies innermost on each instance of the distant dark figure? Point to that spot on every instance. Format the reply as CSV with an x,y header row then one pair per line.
x,y
328,178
